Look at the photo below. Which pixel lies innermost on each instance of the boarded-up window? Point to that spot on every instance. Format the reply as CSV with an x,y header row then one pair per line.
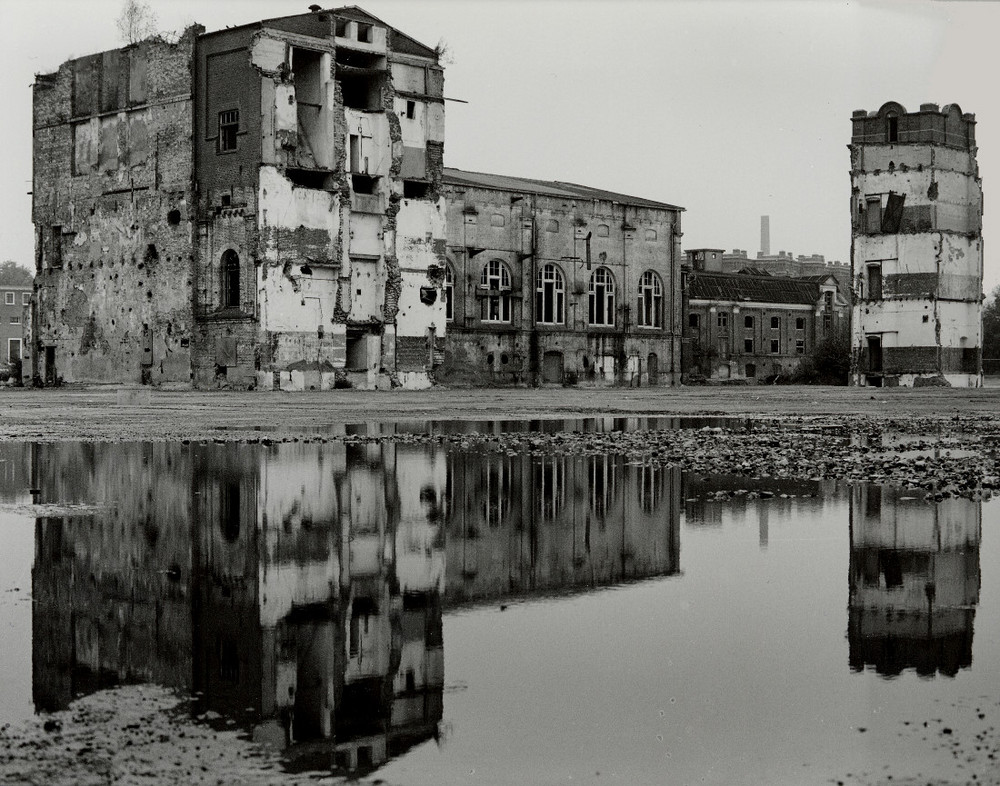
x,y
873,215
86,85
110,75
136,78
893,213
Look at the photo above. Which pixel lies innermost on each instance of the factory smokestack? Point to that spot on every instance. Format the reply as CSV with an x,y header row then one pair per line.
x,y
765,236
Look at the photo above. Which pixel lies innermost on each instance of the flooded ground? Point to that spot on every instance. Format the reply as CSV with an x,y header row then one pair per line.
x,y
473,604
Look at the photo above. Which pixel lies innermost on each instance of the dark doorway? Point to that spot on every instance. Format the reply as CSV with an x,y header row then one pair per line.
x,y
653,369
874,354
50,365
552,367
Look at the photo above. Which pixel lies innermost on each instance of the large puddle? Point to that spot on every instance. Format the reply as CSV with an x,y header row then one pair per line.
x,y
424,614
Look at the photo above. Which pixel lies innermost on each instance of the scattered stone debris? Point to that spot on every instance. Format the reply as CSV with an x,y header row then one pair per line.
x,y
943,457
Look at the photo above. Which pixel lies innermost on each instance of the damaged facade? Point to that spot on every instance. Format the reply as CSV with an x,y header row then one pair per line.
x,y
295,239
917,249
753,326
552,282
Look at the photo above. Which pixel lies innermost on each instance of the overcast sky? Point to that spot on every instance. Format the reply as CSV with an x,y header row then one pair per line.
x,y
732,110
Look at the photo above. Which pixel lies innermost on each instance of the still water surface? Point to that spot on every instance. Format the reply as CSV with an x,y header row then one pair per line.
x,y
427,615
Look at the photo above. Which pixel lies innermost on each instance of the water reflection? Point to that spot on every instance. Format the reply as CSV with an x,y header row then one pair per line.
x,y
297,589
914,582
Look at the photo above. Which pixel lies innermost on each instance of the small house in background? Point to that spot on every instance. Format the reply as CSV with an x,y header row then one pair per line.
x,y
753,326
15,300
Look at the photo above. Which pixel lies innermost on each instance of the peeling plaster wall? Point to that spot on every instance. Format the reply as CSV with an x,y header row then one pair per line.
x,y
927,258
113,210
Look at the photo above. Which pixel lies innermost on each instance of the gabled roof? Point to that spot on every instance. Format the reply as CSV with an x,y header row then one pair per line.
x,y
739,287
556,188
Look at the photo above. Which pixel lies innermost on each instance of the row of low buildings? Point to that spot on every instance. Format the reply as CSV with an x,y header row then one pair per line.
x,y
267,206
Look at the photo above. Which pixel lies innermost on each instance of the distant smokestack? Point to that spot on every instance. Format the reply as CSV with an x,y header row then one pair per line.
x,y
765,236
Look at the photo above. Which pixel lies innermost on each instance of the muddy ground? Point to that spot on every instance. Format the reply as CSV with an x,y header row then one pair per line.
x,y
107,413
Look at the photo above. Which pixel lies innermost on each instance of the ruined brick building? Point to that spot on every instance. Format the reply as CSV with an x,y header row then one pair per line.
x,y
917,248
552,282
258,206
754,326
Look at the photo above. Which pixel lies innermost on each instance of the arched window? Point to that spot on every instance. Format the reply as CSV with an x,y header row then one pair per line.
x,y
230,279
602,297
449,293
650,307
496,280
550,296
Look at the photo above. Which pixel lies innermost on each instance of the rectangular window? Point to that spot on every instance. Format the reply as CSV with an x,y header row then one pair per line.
x,y
8,298
774,346
748,346
13,349
411,110
55,247
694,320
827,322
723,320
800,346
229,126
800,323
828,301
873,215
748,323
775,323
15,320
25,298
874,289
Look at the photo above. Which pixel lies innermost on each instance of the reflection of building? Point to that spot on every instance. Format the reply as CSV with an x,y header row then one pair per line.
x,y
552,282
914,582
295,588
522,524
917,246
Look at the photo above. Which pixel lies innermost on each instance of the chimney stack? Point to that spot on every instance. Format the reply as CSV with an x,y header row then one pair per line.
x,y
765,236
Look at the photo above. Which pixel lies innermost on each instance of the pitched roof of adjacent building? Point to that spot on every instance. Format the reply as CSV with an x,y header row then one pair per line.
x,y
556,188
738,287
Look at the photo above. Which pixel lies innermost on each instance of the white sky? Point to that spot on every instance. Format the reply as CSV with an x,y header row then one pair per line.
x,y
731,110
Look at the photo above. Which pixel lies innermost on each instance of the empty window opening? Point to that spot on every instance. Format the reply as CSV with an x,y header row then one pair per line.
x,y
874,288
364,184
800,323
775,323
650,300
602,297
341,27
365,33
449,294
174,217
226,200
550,296
306,67
357,351
775,346
229,127
308,178
694,320
892,128
748,323
748,346
496,281
230,279
411,110
751,370
55,247
414,189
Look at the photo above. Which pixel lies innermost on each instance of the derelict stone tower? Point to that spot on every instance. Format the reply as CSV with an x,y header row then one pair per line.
x,y
916,247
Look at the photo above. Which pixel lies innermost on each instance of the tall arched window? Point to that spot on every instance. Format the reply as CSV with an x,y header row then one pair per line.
x,y
602,297
550,296
496,280
650,307
230,279
449,293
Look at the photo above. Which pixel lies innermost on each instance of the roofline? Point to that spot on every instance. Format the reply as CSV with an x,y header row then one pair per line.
x,y
566,185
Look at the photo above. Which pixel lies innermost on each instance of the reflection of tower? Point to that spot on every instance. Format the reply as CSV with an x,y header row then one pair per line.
x,y
914,582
